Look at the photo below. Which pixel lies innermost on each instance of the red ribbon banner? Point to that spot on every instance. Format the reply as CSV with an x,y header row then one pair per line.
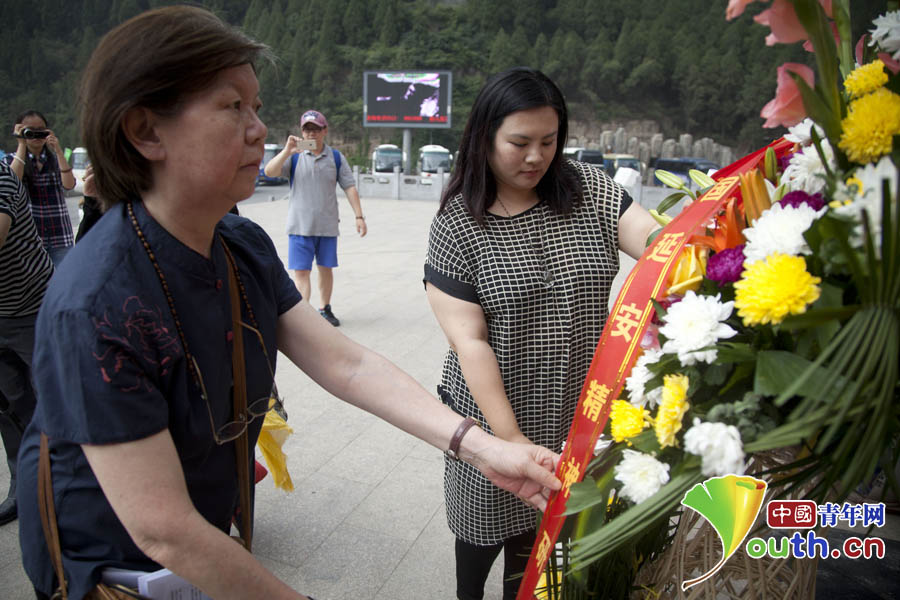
x,y
618,349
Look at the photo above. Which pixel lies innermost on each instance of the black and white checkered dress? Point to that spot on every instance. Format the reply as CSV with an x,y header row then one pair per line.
x,y
543,281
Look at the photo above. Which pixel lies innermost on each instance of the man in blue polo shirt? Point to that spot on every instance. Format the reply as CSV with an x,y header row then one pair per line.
x,y
312,223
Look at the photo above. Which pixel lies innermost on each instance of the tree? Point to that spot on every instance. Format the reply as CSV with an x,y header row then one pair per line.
x,y
356,23
679,63
502,55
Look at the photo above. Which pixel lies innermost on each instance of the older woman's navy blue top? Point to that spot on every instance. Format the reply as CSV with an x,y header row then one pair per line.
x,y
109,367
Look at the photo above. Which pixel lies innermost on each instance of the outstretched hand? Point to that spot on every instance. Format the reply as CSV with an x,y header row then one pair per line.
x,y
525,470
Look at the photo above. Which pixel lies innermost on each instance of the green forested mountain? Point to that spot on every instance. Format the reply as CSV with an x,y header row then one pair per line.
x,y
675,61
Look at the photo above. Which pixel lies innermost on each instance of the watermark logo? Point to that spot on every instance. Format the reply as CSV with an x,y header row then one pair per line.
x,y
730,504
791,514
806,514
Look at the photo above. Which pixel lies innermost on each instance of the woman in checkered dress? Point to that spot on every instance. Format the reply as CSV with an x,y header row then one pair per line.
x,y
521,257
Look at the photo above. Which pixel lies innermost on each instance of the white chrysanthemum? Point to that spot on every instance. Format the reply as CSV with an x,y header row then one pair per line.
x,y
869,197
641,475
718,445
693,324
779,229
801,132
805,171
640,375
886,34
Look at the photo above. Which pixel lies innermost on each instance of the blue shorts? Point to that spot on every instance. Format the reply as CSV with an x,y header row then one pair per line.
x,y
302,249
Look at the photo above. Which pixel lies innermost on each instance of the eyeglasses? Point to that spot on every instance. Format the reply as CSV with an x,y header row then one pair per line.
x,y
257,408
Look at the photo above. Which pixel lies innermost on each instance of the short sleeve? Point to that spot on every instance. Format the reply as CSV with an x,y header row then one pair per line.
x,y
445,265
624,203
9,187
286,167
93,379
345,175
263,255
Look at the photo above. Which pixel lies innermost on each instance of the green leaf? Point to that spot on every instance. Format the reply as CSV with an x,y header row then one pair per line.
x,y
670,179
812,16
716,374
743,371
841,16
776,370
670,201
816,317
584,495
731,352
652,237
818,109
646,442
660,310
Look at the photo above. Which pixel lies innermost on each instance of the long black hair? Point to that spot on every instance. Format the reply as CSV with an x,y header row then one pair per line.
x,y
520,88
28,172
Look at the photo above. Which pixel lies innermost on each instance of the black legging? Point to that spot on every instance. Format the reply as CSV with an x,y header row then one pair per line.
x,y
473,565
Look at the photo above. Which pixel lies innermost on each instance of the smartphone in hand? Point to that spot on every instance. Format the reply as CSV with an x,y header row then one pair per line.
x,y
306,145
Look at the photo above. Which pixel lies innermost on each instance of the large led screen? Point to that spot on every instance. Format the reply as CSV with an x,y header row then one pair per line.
x,y
406,98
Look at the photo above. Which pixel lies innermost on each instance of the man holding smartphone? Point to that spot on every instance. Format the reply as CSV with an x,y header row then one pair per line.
x,y
314,170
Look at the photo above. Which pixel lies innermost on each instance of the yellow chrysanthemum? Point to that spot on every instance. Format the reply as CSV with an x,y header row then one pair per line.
x,y
869,126
866,79
626,420
671,409
771,289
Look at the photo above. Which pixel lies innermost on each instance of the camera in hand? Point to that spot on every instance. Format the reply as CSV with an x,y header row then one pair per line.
x,y
34,134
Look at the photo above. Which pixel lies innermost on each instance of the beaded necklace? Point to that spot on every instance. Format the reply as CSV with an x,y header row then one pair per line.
x,y
171,301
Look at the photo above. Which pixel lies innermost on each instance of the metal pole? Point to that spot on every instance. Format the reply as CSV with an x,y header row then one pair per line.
x,y
407,151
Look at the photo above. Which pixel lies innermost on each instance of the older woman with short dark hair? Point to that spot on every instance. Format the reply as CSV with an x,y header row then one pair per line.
x,y
157,344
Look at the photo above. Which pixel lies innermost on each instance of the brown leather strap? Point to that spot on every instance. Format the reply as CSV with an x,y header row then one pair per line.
x,y
456,440
47,508
241,444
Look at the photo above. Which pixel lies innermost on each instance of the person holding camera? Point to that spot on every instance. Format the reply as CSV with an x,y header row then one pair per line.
x,y
314,169
40,164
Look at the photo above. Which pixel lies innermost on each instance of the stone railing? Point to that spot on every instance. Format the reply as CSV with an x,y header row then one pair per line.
x,y
646,143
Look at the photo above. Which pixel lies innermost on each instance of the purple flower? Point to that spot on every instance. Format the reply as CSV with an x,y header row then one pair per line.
x,y
799,197
726,266
784,161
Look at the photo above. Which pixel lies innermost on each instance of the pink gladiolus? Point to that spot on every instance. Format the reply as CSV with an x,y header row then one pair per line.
x,y
860,49
787,107
736,8
783,22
